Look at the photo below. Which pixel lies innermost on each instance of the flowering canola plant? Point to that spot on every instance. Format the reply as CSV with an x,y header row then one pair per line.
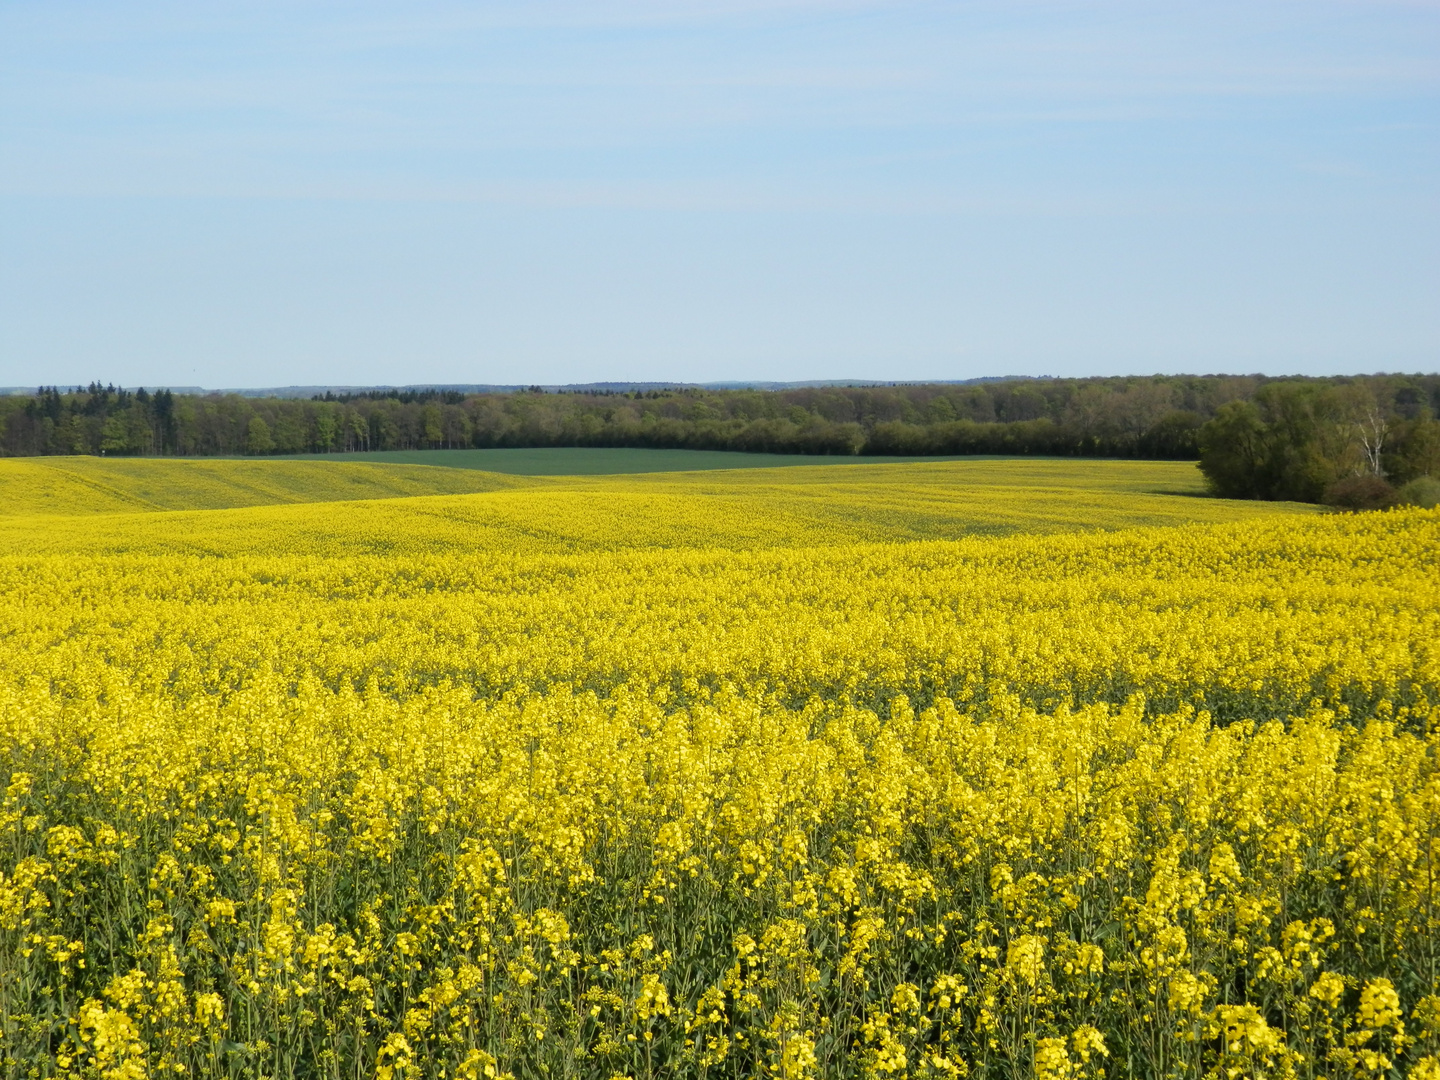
x,y
87,485
386,802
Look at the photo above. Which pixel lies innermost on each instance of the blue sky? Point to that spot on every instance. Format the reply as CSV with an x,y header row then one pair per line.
x,y
259,194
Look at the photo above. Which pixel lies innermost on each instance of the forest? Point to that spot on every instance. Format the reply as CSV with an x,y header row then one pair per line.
x,y
1256,437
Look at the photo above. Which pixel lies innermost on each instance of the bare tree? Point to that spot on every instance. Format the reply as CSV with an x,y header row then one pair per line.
x,y
1371,428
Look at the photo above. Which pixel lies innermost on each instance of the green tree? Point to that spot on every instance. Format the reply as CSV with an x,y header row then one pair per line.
x,y
1307,441
1415,451
1174,435
1233,451
431,431
325,429
124,432
288,433
359,431
257,437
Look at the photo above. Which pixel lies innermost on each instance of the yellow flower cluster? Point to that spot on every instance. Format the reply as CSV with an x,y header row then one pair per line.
x,y
1154,802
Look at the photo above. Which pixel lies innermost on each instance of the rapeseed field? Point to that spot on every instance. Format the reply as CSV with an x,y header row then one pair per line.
x,y
925,771
85,486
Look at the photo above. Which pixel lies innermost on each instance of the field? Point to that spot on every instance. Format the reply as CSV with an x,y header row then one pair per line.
x,y
84,486
977,768
598,460
272,504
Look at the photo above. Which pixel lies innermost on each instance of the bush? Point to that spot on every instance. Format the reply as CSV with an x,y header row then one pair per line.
x,y
1423,491
1360,493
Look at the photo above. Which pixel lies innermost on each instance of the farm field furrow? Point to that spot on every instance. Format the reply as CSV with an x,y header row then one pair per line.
x,y
83,485
947,769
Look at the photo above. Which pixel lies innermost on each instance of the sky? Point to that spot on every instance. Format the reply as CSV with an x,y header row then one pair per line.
x,y
264,193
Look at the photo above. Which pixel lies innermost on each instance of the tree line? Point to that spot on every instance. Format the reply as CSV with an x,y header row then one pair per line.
x,y
1255,436
1361,443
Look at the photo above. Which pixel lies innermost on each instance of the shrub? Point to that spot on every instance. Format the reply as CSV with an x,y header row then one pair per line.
x,y
1360,493
1423,491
